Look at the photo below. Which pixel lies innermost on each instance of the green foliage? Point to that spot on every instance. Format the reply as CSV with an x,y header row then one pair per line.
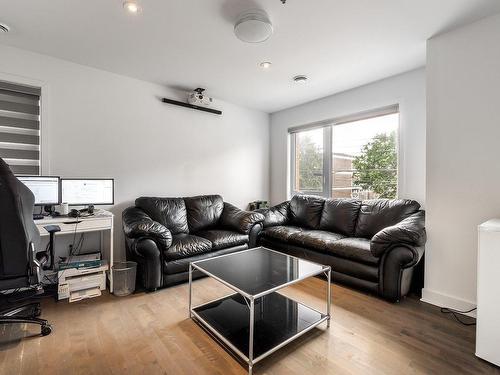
x,y
376,167
310,160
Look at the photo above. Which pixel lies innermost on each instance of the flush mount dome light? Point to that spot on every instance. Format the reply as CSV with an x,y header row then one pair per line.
x,y
253,26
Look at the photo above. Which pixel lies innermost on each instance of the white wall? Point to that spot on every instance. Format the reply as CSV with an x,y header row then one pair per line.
x,y
98,124
463,156
407,90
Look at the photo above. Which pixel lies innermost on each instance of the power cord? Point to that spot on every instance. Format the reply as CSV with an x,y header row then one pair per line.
x,y
454,313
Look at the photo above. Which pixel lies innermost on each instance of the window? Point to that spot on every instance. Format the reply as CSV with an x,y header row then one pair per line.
x,y
309,156
348,158
20,128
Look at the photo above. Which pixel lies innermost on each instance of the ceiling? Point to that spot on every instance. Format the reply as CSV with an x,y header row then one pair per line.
x,y
183,44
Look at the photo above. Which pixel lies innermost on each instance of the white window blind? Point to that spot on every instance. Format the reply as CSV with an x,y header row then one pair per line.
x,y
20,127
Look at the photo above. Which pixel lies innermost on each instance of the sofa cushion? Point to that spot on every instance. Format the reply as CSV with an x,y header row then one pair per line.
x,y
170,212
377,214
305,211
314,239
276,215
203,212
340,216
233,218
357,249
187,245
223,238
280,233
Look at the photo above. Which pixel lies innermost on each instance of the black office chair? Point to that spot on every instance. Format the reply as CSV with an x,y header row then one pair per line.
x,y
19,262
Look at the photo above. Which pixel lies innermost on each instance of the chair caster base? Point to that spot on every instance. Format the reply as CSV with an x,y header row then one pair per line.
x,y
46,330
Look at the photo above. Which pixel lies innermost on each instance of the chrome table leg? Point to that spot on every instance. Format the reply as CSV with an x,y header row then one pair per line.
x,y
250,340
190,287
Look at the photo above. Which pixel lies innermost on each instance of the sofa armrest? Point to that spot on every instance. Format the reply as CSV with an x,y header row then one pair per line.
x,y
276,215
396,272
409,233
242,221
137,224
149,258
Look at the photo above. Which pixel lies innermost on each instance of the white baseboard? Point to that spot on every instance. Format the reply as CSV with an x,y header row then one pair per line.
x,y
445,300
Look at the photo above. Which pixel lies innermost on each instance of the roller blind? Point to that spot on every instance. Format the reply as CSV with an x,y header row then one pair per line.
x,y
20,127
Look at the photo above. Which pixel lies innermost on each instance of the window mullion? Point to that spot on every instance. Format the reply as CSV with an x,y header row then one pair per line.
x,y
327,161
293,167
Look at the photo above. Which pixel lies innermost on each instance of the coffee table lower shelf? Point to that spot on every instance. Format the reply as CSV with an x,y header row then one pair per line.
x,y
278,320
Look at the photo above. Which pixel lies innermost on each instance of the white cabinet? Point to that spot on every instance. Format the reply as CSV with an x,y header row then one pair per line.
x,y
488,292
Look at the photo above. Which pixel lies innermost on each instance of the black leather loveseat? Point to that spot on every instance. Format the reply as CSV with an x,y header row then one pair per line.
x,y
373,245
163,235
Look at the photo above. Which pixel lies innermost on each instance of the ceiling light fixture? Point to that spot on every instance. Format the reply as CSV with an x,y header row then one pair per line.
x,y
300,79
132,6
4,28
265,64
253,26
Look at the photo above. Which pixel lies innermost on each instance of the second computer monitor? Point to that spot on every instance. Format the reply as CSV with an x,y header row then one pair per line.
x,y
86,192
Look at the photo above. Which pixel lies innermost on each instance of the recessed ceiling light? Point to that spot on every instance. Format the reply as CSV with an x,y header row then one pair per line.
x,y
4,28
300,79
132,6
266,64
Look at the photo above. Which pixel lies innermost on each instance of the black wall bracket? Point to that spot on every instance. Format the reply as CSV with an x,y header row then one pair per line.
x,y
187,105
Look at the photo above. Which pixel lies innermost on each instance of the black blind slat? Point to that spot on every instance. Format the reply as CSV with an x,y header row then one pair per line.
x,y
30,170
19,154
20,88
19,138
17,97
19,107
19,123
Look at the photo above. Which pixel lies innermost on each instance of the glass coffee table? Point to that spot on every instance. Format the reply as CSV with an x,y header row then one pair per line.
x,y
257,320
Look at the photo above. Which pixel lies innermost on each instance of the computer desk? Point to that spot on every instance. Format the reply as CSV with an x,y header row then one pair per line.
x,y
101,221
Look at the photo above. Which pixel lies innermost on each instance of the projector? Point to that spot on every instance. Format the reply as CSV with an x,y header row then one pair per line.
x,y
197,98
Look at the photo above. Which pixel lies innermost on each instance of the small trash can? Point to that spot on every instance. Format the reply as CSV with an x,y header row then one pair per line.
x,y
124,278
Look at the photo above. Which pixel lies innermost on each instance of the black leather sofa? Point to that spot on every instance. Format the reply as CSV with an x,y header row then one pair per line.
x,y
374,245
163,235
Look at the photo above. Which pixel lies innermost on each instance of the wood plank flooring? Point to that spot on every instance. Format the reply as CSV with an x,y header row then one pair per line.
x,y
151,334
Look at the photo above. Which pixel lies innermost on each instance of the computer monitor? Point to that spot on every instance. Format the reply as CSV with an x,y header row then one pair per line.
x,y
87,191
46,189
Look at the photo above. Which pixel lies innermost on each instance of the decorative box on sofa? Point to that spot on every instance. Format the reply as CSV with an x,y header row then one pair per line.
x,y
373,245
163,235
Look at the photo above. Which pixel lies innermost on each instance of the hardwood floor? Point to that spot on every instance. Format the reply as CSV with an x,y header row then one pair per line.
x,y
151,334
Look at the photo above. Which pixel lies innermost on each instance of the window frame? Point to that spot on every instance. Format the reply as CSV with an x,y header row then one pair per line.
x,y
327,126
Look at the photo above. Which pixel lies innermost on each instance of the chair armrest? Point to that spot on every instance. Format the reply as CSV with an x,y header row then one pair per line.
x,y
409,232
276,215
242,221
137,224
